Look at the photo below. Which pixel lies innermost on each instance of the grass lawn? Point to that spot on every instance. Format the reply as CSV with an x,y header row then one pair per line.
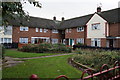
x,y
18,54
50,67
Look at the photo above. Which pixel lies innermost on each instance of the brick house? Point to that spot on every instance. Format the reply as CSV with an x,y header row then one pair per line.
x,y
101,29
35,31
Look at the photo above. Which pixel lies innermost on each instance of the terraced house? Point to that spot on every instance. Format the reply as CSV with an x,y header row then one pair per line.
x,y
100,29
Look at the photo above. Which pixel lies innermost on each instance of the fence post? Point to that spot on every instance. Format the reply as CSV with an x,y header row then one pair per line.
x,y
33,77
61,77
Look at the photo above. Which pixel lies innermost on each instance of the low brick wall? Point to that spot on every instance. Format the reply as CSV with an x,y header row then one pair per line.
x,y
79,66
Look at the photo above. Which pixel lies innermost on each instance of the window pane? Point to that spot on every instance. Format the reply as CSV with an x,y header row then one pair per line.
x,y
23,40
36,29
40,29
54,31
54,41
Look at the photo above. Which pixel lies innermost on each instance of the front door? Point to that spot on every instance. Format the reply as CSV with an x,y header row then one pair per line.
x,y
111,43
71,42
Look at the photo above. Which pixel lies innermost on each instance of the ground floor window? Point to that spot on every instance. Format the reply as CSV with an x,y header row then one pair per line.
x,y
5,40
80,40
23,40
37,40
96,42
54,41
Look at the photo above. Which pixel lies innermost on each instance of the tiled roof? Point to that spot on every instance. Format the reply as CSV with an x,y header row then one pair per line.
x,y
112,16
34,22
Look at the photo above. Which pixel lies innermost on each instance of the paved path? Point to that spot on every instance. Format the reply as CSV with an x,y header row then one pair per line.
x,y
14,61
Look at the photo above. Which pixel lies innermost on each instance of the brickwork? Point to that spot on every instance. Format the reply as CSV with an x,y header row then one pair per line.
x,y
32,33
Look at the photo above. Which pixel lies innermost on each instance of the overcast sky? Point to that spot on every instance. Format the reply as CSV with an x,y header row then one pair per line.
x,y
68,8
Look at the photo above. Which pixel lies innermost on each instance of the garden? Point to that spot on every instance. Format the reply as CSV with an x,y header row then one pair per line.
x,y
96,58
52,67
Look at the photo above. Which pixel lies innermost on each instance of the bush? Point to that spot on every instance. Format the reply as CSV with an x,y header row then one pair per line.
x,y
97,58
45,47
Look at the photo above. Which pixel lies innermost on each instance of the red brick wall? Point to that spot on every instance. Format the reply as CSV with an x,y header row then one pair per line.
x,y
117,43
114,30
103,42
74,34
32,33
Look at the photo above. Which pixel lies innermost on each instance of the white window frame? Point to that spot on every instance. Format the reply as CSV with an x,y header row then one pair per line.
x,y
54,41
40,29
68,30
54,31
36,29
45,30
98,42
23,28
80,29
96,26
23,40
80,40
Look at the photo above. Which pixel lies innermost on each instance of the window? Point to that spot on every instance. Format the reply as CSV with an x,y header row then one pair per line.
x,y
23,28
54,41
23,40
54,31
95,42
6,40
40,29
1,40
36,29
80,40
79,29
45,30
68,30
96,26
1,27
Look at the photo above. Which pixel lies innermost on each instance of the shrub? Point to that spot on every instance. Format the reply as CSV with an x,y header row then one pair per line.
x,y
97,58
45,47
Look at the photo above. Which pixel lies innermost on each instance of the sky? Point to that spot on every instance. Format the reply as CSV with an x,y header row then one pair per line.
x,y
68,8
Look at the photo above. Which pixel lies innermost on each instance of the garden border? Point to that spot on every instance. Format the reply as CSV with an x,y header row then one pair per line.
x,y
79,66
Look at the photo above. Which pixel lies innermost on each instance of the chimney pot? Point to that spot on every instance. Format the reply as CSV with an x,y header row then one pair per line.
x,y
63,18
98,9
54,18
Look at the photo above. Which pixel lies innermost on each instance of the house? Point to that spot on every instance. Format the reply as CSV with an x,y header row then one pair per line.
x,y
100,29
5,34
103,29
35,31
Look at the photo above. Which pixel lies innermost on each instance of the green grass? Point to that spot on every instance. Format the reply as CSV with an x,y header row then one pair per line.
x,y
50,67
18,54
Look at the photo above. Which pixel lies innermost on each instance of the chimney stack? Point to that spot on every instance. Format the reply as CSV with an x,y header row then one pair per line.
x,y
54,18
63,18
98,9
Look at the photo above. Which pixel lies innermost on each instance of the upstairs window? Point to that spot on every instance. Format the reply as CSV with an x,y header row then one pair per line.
x,y
45,30
36,29
68,30
40,29
23,28
54,31
96,26
79,29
